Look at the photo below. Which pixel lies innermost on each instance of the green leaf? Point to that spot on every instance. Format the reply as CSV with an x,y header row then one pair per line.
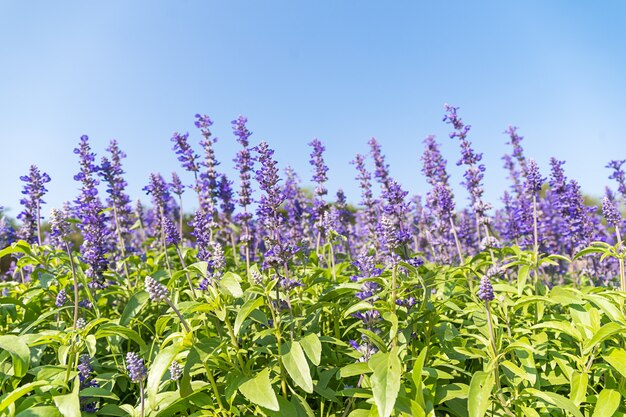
x,y
99,393
479,392
605,331
561,327
578,388
529,412
416,376
312,347
296,365
201,267
607,404
245,310
68,404
7,399
259,391
556,400
358,368
133,306
522,277
159,366
617,359
110,330
387,373
229,285
19,351
45,411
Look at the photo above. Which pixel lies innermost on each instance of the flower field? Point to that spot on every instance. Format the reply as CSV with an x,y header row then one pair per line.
x,y
276,300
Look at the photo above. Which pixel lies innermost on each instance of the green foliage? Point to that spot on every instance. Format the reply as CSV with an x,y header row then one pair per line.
x,y
260,350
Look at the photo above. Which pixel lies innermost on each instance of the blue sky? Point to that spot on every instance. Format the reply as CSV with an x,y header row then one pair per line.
x,y
342,71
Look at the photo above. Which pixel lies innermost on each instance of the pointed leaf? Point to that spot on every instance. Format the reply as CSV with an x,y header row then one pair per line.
x,y
479,392
556,400
607,404
229,285
259,391
133,306
617,359
19,351
159,366
245,310
312,347
296,365
387,373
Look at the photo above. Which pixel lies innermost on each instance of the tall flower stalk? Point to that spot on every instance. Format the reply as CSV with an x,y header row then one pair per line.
x,y
96,241
34,190
614,218
244,164
319,177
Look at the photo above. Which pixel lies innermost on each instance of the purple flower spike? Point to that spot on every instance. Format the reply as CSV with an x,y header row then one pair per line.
x,y
61,299
172,236
618,175
34,190
485,289
611,214
157,291
185,153
534,181
136,369
96,235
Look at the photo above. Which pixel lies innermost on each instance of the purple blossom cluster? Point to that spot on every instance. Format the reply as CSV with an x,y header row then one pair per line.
x,y
284,219
93,221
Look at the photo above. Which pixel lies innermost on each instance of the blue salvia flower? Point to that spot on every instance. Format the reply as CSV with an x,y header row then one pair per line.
x,y
368,203
113,175
176,185
208,178
381,173
187,157
96,237
342,217
7,234
158,189
439,200
433,163
278,251
485,289
34,190
136,369
611,214
295,207
268,210
244,164
320,177
175,371
618,175
61,298
474,172
534,181
171,234
225,194
60,228
85,372
157,291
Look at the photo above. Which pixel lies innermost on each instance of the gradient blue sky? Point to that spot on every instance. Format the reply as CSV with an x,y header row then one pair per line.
x,y
342,71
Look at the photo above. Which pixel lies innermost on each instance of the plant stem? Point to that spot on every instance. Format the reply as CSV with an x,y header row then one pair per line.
x,y
180,316
456,241
142,398
69,254
620,259
182,261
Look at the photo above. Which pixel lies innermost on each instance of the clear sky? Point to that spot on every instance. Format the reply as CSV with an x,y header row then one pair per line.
x,y
342,71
